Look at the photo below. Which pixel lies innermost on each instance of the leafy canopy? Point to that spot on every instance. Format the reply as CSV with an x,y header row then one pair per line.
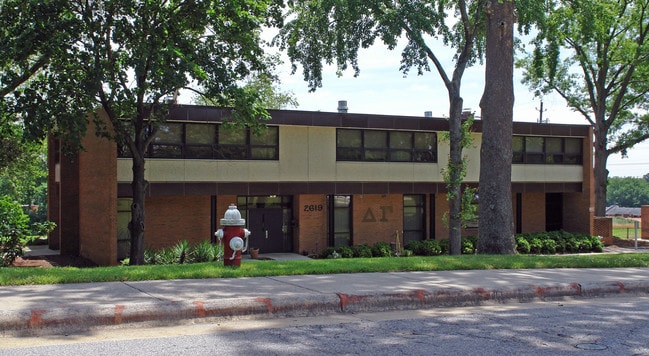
x,y
595,54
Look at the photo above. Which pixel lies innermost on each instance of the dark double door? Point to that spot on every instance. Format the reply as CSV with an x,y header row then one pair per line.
x,y
268,231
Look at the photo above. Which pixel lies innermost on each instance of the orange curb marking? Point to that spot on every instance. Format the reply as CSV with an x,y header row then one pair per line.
x,y
269,304
200,309
35,319
119,309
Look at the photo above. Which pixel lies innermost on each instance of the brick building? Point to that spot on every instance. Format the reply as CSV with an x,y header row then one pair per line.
x,y
312,180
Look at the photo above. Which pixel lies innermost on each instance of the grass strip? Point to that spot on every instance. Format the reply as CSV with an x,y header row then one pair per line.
x,y
261,268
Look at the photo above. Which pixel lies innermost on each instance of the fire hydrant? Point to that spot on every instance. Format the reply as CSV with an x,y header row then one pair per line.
x,y
233,235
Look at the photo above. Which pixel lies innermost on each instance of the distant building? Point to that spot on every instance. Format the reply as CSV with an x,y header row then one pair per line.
x,y
615,210
312,180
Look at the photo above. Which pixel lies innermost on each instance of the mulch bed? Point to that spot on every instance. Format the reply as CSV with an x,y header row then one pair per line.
x,y
630,243
54,261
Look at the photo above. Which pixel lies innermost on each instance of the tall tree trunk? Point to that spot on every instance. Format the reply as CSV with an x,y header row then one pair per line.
x,y
496,230
136,226
455,176
600,172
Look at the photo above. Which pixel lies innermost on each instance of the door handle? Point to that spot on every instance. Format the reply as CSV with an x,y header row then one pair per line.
x,y
266,233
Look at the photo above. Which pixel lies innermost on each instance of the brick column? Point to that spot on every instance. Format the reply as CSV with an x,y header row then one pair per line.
x,y
603,226
644,225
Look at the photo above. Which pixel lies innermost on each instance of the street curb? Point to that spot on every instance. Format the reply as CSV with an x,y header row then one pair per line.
x,y
30,321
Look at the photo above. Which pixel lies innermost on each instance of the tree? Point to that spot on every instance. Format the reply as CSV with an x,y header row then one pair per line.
x,y
13,230
266,87
131,56
333,31
31,32
627,192
594,53
496,228
25,181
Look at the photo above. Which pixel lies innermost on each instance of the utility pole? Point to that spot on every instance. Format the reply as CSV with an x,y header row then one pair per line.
x,y
541,112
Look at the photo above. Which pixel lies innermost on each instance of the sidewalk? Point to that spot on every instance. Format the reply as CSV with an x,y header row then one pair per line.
x,y
70,307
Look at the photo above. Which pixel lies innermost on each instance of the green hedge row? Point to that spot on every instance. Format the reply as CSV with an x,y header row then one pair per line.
x,y
552,242
548,243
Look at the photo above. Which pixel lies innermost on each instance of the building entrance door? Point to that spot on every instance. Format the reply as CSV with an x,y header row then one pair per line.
x,y
268,231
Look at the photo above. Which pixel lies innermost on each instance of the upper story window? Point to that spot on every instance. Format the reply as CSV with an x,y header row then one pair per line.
x,y
385,146
212,141
547,150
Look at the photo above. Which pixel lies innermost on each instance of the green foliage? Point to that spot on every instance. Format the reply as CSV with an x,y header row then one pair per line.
x,y
182,251
364,251
594,55
204,252
552,242
430,248
469,244
327,252
345,251
337,252
267,88
627,192
25,181
381,249
522,246
415,246
13,229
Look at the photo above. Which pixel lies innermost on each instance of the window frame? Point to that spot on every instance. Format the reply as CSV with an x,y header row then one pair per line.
x,y
545,155
365,152
246,148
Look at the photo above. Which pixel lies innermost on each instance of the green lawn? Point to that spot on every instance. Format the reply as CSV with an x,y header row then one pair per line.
x,y
55,275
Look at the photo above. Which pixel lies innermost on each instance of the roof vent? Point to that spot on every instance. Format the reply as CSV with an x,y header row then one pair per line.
x,y
342,106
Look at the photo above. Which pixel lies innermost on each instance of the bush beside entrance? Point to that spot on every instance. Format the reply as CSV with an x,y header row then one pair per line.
x,y
546,243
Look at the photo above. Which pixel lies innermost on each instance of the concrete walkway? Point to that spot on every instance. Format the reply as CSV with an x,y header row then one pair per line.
x,y
51,308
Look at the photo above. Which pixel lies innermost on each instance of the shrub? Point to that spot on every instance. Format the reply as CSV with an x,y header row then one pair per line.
x,y
327,252
522,246
557,242
182,252
204,252
431,248
406,253
363,250
381,249
166,256
150,257
536,245
415,246
13,231
468,245
444,245
596,244
549,247
345,251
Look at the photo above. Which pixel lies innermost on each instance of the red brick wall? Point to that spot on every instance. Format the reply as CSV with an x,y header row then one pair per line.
x,y
98,200
175,218
54,192
377,217
312,226
533,211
